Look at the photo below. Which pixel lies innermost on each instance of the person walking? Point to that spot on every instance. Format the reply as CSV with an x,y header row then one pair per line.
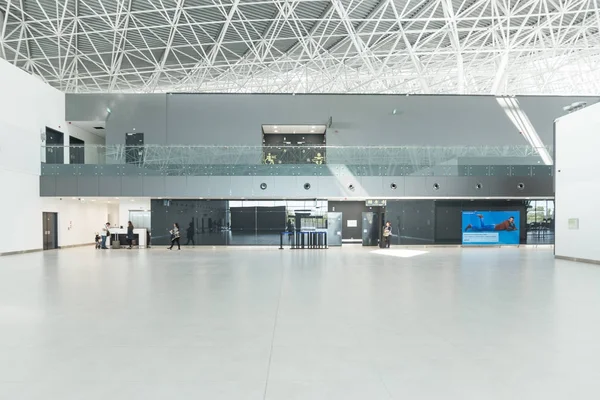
x,y
175,236
130,234
103,234
387,234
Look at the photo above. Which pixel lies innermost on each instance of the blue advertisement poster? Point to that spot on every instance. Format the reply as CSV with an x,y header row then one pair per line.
x,y
482,228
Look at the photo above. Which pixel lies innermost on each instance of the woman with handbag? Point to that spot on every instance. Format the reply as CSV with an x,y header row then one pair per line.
x,y
175,235
387,234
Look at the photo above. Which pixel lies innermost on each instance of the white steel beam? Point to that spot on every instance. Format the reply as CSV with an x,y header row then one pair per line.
x,y
500,77
356,40
151,85
197,74
3,22
414,58
454,39
119,47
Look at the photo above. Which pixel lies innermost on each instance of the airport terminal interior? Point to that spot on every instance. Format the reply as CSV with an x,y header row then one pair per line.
x,y
299,199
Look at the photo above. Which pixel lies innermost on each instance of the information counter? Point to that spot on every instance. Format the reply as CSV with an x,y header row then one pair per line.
x,y
120,235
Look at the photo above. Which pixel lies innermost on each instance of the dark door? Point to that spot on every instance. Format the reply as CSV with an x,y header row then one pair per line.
x,y
55,152
134,148
370,228
76,151
50,230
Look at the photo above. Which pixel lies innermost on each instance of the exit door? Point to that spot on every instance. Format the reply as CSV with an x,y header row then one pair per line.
x,y
134,148
50,230
55,142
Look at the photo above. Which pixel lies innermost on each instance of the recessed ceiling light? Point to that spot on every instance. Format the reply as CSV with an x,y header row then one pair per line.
x,y
275,127
93,199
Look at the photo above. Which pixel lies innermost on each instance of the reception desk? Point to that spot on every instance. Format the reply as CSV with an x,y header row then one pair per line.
x,y
120,235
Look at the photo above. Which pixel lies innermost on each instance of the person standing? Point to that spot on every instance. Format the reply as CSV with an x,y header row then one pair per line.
x,y
103,234
130,234
175,236
387,234
190,233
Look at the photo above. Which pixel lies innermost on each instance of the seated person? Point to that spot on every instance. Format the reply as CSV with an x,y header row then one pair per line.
x,y
508,225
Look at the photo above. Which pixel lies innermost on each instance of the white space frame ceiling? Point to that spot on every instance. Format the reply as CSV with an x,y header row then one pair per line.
x,y
307,46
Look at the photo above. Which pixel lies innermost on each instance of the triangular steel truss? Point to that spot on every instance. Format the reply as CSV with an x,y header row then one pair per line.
x,y
307,46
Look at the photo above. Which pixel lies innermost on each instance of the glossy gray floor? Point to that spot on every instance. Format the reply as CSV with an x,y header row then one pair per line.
x,y
345,323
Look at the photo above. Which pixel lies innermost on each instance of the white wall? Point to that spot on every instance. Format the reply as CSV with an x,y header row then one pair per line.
x,y
578,183
78,221
28,107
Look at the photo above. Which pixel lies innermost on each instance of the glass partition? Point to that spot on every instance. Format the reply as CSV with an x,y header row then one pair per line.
x,y
540,222
305,160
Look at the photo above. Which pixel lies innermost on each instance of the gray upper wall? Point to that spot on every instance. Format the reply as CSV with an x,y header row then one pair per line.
x,y
236,119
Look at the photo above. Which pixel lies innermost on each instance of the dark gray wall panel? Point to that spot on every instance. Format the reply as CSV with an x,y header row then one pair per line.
x,y
327,186
533,187
240,186
236,119
372,185
109,185
48,185
132,185
66,185
414,185
90,107
269,191
88,185
357,120
197,186
145,113
459,186
387,190
154,186
290,187
220,186
176,186
351,210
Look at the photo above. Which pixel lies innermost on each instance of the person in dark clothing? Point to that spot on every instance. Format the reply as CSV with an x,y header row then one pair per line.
x,y
130,234
387,234
508,225
190,234
175,235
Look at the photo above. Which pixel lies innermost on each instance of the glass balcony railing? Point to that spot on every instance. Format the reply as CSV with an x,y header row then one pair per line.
x,y
291,160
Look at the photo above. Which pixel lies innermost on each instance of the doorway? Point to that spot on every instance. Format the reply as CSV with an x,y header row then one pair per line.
x,y
55,151
50,230
76,151
134,148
